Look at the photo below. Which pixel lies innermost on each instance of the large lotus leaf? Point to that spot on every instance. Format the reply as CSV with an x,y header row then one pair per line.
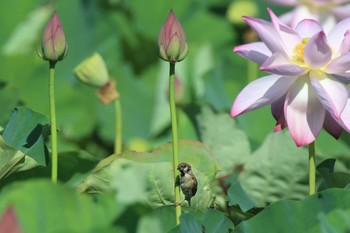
x,y
41,206
211,220
26,131
335,221
73,168
302,216
216,221
159,220
345,138
189,223
10,159
331,179
148,177
74,164
237,196
229,144
328,147
277,170
162,220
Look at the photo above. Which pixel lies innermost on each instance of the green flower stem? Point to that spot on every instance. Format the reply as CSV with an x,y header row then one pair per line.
x,y
312,169
54,159
175,143
118,127
252,71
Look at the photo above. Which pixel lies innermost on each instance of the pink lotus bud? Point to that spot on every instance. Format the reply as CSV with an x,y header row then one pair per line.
x,y
172,40
53,45
9,221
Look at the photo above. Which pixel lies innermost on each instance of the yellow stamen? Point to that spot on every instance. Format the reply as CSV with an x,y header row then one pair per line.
x,y
317,7
297,57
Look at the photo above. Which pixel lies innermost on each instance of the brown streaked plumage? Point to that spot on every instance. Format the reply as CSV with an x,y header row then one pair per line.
x,y
188,182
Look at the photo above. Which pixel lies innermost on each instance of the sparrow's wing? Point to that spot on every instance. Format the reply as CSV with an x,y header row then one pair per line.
x,y
194,189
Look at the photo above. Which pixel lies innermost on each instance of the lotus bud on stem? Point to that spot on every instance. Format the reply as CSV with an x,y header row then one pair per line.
x,y
54,48
172,40
173,48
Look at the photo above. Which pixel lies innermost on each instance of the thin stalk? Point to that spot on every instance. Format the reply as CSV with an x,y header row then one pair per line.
x,y
175,142
54,158
312,169
118,128
252,71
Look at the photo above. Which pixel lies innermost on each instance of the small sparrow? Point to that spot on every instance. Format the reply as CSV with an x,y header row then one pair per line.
x,y
188,182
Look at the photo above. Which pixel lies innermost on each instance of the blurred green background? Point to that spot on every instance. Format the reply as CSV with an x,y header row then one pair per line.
x,y
125,34
268,165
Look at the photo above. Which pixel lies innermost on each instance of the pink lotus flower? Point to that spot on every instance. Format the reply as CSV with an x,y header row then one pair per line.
x,y
309,71
326,12
172,40
53,45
